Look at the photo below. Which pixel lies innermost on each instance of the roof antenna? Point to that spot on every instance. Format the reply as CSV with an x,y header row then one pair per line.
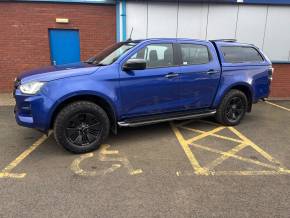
x,y
130,38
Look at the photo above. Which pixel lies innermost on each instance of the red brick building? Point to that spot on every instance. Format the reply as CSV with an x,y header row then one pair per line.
x,y
24,38
281,81
25,26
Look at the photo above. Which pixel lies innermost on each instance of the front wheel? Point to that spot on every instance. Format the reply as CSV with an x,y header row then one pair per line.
x,y
232,108
81,127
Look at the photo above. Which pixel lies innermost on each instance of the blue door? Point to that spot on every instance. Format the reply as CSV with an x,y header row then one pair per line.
x,y
64,46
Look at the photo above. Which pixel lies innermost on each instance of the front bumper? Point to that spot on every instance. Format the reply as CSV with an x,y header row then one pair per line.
x,y
33,111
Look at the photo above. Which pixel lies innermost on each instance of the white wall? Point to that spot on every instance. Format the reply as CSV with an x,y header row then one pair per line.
x,y
137,19
159,18
222,21
251,24
268,27
192,20
277,34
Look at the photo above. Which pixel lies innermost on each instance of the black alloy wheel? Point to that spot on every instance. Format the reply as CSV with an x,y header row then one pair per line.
x,y
83,129
235,109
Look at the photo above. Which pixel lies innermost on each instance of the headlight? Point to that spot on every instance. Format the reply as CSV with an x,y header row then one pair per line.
x,y
31,88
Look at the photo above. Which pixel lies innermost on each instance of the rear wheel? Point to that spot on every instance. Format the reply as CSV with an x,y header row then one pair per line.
x,y
232,108
81,127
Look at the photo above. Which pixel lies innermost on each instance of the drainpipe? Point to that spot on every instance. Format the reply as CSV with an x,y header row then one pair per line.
x,y
124,25
118,20
121,20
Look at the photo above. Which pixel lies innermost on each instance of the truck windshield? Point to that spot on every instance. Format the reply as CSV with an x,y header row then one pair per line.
x,y
111,54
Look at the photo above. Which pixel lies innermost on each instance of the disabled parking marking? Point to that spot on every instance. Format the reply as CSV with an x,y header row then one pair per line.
x,y
75,167
277,105
104,155
275,167
6,172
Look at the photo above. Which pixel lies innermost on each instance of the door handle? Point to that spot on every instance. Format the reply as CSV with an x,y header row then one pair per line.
x,y
211,71
171,75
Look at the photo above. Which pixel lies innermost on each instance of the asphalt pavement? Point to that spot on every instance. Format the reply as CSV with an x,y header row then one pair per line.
x,y
194,168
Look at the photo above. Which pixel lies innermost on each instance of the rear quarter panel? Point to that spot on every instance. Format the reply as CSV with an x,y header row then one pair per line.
x,y
253,75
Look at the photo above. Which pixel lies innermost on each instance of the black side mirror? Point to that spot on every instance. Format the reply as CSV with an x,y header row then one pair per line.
x,y
134,64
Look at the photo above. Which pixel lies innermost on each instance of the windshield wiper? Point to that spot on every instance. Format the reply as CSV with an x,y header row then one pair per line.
x,y
99,64
93,62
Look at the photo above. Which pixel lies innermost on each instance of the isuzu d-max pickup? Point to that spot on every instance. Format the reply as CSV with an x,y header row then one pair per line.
x,y
139,82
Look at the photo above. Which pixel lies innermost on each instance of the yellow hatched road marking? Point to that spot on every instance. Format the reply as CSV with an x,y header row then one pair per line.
x,y
274,169
6,172
225,156
279,106
205,134
254,146
237,157
213,134
194,163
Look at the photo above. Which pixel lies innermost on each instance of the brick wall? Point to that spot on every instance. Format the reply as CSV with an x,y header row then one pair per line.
x,y
281,81
24,42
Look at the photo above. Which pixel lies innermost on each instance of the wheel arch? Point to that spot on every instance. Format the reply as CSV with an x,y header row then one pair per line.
x,y
97,99
243,87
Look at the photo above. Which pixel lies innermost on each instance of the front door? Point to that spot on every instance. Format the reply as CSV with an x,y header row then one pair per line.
x,y
152,90
64,46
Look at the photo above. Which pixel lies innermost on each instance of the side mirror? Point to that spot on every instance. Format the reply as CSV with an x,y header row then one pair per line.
x,y
134,64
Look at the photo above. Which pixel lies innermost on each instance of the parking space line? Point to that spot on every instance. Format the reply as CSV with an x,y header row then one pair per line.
x,y
250,173
194,163
279,106
6,172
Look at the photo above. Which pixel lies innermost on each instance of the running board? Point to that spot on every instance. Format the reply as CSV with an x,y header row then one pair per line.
x,y
142,123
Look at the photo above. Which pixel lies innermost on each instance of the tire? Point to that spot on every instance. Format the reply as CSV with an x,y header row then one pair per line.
x,y
228,114
81,127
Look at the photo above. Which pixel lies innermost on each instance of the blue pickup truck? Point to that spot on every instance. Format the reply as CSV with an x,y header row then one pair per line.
x,y
139,82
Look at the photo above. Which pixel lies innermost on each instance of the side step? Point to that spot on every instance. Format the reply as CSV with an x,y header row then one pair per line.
x,y
132,123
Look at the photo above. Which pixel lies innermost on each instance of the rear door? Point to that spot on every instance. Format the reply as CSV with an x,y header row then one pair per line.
x,y
199,74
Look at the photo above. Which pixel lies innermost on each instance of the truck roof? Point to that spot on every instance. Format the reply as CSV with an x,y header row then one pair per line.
x,y
229,43
167,39
217,41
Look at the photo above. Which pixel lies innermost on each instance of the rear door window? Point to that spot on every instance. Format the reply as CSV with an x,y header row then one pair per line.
x,y
193,54
241,54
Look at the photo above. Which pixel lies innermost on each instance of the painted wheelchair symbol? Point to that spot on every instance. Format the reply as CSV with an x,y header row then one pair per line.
x,y
104,155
